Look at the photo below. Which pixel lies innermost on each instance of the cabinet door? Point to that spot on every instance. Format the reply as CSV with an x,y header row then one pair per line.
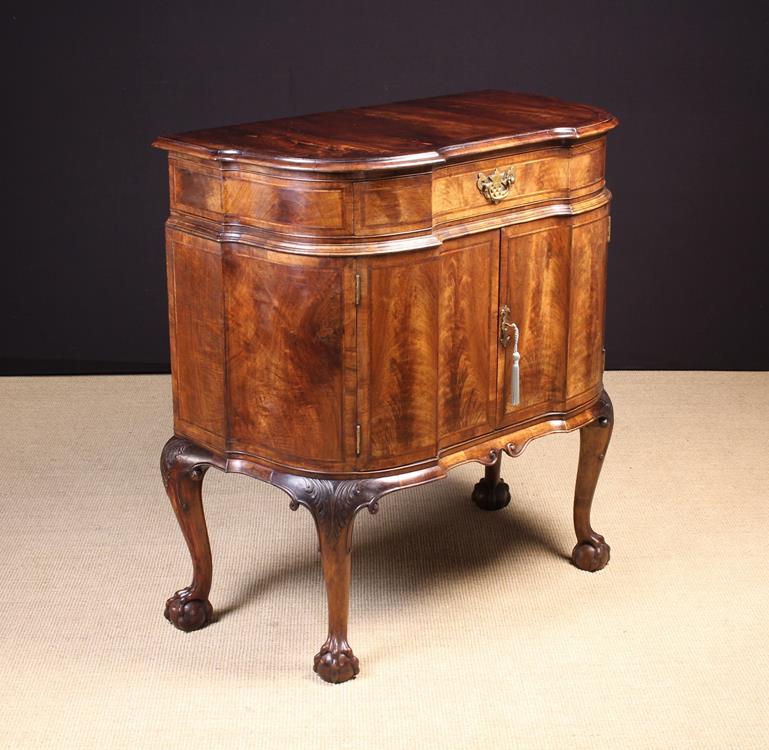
x,y
467,358
534,284
291,357
397,359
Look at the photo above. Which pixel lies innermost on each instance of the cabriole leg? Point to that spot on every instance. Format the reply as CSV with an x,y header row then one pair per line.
x,y
333,505
491,493
183,465
335,662
591,552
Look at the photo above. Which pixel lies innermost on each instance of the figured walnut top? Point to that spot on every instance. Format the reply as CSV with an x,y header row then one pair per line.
x,y
399,135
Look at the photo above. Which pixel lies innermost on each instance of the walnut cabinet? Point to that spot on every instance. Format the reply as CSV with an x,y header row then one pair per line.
x,y
360,300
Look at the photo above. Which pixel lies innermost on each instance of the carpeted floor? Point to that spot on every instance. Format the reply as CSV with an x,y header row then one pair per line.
x,y
472,629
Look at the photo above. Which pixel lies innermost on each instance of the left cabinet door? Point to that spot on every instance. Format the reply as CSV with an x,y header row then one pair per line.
x,y
398,358
467,357
291,357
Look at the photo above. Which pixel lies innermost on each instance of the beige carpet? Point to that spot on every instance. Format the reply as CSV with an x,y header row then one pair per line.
x,y
472,629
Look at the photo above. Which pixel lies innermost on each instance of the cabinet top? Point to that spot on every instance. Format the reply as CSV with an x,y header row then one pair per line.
x,y
421,132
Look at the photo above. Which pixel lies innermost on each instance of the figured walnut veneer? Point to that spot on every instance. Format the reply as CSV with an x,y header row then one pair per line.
x,y
335,284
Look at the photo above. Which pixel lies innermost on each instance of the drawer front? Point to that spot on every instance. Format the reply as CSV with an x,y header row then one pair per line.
x,y
537,176
532,177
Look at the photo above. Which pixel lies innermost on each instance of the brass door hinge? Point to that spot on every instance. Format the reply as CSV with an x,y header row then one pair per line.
x,y
608,231
357,289
357,440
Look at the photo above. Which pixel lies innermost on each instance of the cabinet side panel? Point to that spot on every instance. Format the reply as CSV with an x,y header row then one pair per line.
x,y
588,300
535,260
467,348
285,357
401,342
197,337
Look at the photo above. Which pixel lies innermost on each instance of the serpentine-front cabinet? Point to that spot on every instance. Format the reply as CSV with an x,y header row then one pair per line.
x,y
360,300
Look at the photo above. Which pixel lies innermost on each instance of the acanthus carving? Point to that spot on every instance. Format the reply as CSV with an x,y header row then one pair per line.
x,y
333,503
605,410
183,456
171,457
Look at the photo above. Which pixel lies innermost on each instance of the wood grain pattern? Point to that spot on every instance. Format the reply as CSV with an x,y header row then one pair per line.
x,y
364,381
467,361
335,287
298,207
195,293
587,162
534,282
286,358
386,244
398,348
393,205
587,304
196,188
397,136
539,176
382,207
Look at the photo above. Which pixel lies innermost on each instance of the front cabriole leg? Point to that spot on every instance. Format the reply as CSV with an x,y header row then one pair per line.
x,y
333,504
335,662
591,552
183,465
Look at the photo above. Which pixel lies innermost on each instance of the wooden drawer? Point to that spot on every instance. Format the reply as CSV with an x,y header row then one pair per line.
x,y
542,175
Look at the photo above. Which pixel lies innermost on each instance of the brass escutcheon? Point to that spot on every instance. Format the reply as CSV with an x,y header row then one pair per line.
x,y
504,324
496,186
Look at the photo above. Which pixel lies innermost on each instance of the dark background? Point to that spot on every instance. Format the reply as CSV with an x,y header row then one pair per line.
x,y
88,88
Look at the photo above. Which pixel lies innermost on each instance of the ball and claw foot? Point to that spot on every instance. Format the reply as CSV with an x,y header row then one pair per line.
x,y
491,499
335,662
591,555
188,614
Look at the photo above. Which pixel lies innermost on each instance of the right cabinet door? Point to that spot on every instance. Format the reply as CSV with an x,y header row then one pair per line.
x,y
534,284
552,278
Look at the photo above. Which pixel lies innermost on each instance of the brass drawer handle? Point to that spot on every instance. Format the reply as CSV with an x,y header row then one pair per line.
x,y
504,339
496,186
